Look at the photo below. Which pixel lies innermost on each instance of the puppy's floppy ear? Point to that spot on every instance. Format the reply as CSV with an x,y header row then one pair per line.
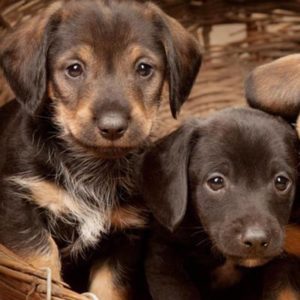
x,y
23,57
165,175
183,57
275,87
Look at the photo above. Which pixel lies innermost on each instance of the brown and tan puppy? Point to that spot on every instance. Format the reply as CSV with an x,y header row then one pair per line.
x,y
88,78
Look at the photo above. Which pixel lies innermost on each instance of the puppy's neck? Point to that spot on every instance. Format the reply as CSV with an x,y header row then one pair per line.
x,y
89,177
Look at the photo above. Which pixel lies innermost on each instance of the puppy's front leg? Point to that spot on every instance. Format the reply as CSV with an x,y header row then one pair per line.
x,y
166,277
119,276
105,282
22,231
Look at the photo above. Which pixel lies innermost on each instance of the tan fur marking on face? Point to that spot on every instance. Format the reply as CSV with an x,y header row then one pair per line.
x,y
125,217
83,52
50,259
86,54
82,116
136,51
50,91
73,121
62,112
288,294
55,96
84,110
144,113
103,286
64,117
144,118
292,239
67,103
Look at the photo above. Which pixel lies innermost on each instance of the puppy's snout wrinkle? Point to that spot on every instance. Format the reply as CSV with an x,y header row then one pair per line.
x,y
255,238
113,125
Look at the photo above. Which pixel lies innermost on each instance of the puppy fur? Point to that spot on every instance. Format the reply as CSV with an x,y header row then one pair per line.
x,y
274,88
221,192
88,78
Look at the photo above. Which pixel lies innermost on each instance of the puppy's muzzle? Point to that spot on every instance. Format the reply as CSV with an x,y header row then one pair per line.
x,y
256,239
113,125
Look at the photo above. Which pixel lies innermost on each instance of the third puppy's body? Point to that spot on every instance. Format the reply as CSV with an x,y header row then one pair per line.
x,y
221,201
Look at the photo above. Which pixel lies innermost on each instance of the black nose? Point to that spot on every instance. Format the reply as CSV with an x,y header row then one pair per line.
x,y
255,238
112,126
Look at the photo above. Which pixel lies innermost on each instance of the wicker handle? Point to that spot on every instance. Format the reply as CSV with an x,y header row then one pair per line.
x,y
21,281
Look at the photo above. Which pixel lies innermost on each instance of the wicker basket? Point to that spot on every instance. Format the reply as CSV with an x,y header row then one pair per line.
x,y
255,31
20,281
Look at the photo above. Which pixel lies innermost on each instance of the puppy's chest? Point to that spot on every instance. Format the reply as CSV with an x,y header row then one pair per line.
x,y
78,214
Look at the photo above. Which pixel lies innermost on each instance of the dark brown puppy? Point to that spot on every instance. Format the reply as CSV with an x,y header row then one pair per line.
x,y
221,190
88,78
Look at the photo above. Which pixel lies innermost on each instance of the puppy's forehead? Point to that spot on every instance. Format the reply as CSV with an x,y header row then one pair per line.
x,y
106,26
249,138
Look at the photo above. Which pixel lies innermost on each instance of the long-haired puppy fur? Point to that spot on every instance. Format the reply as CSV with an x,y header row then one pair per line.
x,y
88,78
221,191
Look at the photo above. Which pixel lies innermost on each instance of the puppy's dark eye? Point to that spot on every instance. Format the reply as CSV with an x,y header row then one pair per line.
x,y
144,70
216,183
74,70
281,183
